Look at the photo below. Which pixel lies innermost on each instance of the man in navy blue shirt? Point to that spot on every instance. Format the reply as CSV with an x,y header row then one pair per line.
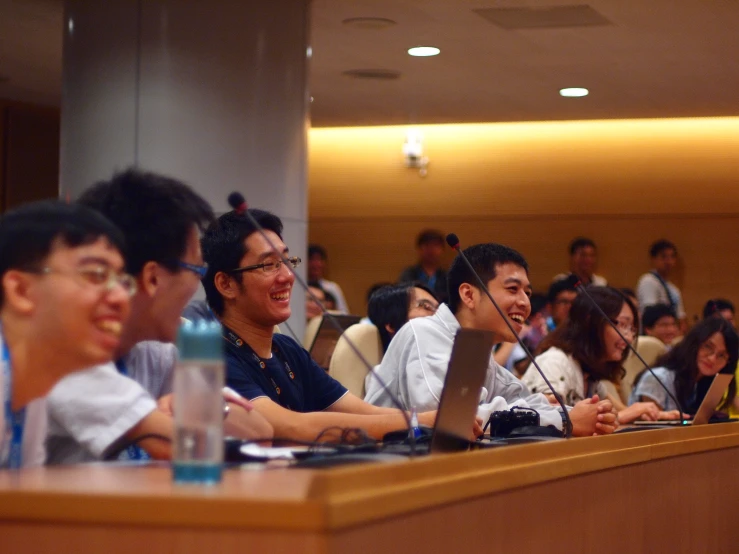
x,y
249,287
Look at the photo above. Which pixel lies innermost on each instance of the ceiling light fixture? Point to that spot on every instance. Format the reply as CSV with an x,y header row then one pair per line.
x,y
574,92
424,51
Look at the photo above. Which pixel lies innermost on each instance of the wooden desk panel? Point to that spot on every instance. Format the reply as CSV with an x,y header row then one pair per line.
x,y
652,490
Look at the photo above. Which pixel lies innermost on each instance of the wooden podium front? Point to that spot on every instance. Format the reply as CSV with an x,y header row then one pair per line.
x,y
669,490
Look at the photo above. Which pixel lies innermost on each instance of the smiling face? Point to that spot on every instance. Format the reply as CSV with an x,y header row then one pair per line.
x,y
264,297
712,356
613,344
73,311
511,290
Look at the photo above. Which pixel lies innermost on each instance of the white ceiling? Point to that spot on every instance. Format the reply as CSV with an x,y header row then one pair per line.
x,y
659,58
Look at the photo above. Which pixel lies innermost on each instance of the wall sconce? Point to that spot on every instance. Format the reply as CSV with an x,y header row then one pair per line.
x,y
413,152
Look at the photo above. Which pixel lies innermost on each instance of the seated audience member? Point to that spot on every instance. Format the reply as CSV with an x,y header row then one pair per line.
x,y
710,347
655,287
317,259
313,308
659,321
415,365
63,301
249,287
95,412
510,354
585,350
583,263
370,292
561,295
428,270
391,307
720,307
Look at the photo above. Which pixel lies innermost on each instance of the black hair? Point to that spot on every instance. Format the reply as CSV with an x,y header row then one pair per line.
x,y
539,301
580,242
155,213
652,314
224,244
659,246
374,288
628,292
559,286
389,305
581,334
717,305
484,258
429,235
682,358
317,249
29,233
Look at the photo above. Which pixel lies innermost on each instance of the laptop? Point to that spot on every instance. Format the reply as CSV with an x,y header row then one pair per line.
x,y
327,336
460,396
707,408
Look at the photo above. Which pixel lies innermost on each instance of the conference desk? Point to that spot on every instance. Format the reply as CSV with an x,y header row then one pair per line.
x,y
669,490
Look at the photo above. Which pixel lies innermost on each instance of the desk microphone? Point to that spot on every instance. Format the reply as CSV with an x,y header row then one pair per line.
x,y
453,241
582,289
237,201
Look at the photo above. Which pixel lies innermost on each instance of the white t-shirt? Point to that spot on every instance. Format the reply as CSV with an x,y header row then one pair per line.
x,y
91,410
33,450
335,290
565,375
595,280
649,291
414,369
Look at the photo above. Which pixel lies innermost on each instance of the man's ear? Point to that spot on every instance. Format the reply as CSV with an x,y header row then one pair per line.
x,y
389,329
467,294
17,292
149,278
225,285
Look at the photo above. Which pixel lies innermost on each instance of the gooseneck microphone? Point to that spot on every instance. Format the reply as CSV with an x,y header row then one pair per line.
x,y
237,201
582,289
453,241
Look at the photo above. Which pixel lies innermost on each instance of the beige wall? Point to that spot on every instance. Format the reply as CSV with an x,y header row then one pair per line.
x,y
534,186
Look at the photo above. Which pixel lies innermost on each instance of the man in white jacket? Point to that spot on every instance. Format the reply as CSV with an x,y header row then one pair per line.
x,y
415,364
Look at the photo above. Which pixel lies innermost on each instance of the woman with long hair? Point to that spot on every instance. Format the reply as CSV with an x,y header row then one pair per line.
x,y
390,307
687,370
585,350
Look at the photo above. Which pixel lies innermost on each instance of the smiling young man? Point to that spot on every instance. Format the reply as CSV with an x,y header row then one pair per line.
x,y
63,301
415,364
249,288
94,412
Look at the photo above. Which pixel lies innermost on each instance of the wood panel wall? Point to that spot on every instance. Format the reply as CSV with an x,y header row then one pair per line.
x,y
534,186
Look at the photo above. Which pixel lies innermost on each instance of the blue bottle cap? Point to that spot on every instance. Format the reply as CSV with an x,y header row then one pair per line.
x,y
200,340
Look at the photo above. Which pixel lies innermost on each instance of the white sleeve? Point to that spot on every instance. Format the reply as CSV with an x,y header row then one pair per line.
x,y
555,371
648,291
96,407
506,392
680,308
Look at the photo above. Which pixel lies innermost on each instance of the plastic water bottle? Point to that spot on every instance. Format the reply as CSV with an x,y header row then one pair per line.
x,y
197,455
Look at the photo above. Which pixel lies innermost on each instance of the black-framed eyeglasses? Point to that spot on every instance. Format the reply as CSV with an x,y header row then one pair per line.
x,y
201,270
268,267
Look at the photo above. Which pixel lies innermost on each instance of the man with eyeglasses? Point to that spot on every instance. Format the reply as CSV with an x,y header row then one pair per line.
x,y
249,287
95,413
63,302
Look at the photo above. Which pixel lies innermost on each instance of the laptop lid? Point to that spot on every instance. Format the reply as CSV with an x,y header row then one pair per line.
x,y
712,399
460,397
327,336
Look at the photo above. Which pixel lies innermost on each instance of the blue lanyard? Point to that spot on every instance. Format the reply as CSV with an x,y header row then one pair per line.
x,y
14,420
133,452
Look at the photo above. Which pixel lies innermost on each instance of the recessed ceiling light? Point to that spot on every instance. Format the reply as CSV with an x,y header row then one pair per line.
x,y
424,51
574,92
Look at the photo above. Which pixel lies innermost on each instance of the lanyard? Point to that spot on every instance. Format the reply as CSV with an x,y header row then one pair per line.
x,y
14,420
236,341
133,451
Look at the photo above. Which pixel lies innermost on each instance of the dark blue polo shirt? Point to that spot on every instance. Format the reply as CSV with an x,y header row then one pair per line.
x,y
303,386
